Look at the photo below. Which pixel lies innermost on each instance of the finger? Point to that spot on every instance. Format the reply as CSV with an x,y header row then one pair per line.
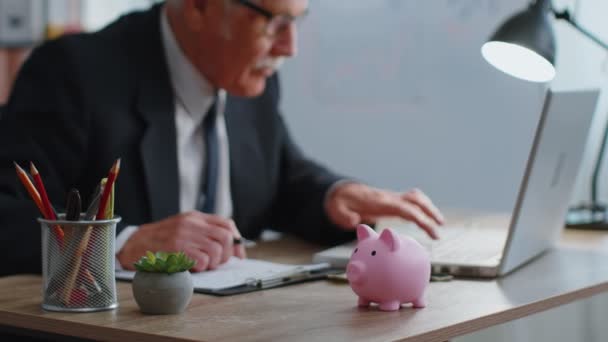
x,y
239,251
426,206
223,238
224,225
200,229
201,236
424,202
228,238
202,259
413,213
216,220
239,248
369,219
214,251
344,216
410,212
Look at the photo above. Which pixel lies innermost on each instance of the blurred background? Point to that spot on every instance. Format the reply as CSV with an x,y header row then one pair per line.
x,y
396,93
415,105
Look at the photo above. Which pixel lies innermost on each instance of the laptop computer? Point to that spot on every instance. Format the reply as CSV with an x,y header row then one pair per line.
x,y
494,244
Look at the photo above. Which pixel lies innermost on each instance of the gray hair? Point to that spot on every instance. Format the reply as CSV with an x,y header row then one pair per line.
x,y
179,3
228,5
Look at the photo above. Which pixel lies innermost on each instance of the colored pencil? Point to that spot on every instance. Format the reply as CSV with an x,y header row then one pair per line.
x,y
107,190
46,203
109,212
79,253
42,191
27,183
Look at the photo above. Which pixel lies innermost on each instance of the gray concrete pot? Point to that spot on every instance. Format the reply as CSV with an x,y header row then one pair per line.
x,y
162,293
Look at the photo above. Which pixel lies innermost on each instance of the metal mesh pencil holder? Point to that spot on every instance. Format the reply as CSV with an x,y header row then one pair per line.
x,y
78,265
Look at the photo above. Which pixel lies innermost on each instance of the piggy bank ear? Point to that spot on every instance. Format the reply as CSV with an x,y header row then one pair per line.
x,y
364,232
391,239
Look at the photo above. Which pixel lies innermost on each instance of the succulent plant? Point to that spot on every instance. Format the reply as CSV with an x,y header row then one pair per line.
x,y
164,262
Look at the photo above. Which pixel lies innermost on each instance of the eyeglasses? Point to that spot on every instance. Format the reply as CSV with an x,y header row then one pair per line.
x,y
277,23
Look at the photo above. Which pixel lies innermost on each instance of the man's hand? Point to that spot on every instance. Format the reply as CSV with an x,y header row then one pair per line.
x,y
208,239
353,203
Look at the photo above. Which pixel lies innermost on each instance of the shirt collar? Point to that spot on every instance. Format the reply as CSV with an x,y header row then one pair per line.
x,y
194,92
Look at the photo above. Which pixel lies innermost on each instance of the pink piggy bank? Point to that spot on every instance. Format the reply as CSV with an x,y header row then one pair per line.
x,y
388,269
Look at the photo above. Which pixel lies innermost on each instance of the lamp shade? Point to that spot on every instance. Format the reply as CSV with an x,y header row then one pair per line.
x,y
524,45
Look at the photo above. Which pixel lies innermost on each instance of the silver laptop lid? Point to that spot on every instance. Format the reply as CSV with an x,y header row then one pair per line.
x,y
551,171
539,212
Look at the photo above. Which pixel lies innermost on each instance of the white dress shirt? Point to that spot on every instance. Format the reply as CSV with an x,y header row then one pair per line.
x,y
193,98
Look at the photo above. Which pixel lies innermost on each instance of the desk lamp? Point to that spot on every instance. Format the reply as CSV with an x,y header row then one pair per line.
x,y
524,47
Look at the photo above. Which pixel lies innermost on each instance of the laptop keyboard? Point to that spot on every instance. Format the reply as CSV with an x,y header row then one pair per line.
x,y
468,245
462,244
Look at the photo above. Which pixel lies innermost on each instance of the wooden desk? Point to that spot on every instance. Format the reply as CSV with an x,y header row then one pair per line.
x,y
325,311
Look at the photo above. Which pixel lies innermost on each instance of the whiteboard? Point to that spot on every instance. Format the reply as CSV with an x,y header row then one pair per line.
x,y
395,93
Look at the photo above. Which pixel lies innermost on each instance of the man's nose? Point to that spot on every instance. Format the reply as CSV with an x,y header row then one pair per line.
x,y
286,43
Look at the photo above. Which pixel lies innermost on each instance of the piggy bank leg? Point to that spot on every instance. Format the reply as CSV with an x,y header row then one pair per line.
x,y
419,303
363,302
390,306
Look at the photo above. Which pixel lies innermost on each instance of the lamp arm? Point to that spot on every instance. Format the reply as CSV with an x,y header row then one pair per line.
x,y
565,15
596,169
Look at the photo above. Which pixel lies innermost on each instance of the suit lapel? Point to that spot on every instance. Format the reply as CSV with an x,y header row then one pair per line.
x,y
156,107
158,151
242,154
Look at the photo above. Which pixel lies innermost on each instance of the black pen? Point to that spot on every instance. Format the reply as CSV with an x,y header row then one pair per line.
x,y
73,206
242,241
72,211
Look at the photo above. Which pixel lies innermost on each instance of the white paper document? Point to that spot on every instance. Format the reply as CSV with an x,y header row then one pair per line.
x,y
237,272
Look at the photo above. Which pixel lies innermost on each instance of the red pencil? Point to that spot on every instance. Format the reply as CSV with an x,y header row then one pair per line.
x,y
50,213
107,190
27,183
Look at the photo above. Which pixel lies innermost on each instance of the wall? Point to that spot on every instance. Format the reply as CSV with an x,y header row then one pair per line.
x,y
420,107
97,14
41,19
396,93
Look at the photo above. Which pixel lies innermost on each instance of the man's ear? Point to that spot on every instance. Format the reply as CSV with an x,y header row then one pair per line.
x,y
194,12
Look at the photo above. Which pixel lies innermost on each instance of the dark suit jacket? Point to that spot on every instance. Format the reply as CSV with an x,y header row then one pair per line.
x,y
82,101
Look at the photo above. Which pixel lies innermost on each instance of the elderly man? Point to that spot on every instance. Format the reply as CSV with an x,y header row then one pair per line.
x,y
187,95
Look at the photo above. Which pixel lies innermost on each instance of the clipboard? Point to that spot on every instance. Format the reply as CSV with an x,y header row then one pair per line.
x,y
269,283
247,275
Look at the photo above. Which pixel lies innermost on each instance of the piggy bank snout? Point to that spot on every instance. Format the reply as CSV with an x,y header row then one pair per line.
x,y
355,271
